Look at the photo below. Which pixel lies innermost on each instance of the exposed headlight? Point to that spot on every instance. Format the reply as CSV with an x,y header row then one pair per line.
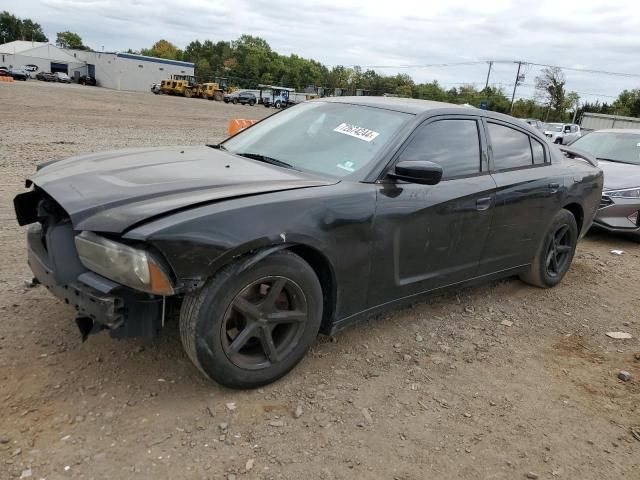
x,y
624,193
129,266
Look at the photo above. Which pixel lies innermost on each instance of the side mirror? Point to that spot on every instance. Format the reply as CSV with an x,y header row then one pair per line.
x,y
418,171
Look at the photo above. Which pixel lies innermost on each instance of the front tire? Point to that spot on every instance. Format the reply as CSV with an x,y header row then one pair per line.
x,y
249,327
555,252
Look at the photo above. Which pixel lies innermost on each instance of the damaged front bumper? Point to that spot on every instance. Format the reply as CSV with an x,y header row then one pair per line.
x,y
99,302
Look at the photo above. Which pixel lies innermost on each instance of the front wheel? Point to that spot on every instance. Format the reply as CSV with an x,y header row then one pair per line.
x,y
248,327
235,101
252,103
555,252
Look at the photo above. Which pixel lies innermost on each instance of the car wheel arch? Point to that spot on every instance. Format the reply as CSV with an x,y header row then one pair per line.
x,y
578,212
319,262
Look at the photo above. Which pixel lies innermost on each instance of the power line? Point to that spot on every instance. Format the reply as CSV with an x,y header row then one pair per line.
x,y
523,62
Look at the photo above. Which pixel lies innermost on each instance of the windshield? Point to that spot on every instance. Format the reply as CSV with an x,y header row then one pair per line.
x,y
553,127
330,138
617,147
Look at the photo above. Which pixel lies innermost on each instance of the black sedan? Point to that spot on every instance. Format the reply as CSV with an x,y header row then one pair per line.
x,y
243,98
306,222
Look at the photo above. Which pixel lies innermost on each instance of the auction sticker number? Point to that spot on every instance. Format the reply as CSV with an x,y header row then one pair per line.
x,y
357,132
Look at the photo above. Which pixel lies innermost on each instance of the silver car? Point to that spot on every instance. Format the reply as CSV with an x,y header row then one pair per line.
x,y
618,153
562,133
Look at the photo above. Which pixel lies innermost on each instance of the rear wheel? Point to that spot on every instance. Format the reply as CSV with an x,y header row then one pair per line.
x,y
249,327
555,252
252,103
218,97
277,104
235,101
188,93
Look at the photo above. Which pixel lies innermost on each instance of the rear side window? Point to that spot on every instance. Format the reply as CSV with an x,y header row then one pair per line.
x,y
511,148
453,144
538,152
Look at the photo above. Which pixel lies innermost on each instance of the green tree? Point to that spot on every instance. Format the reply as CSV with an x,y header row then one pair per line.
x,y
163,49
69,40
13,28
550,88
628,103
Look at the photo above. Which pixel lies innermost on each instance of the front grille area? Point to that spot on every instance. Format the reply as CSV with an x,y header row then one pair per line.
x,y
605,201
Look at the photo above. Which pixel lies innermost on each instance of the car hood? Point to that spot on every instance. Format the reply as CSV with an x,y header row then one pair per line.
x,y
619,175
112,191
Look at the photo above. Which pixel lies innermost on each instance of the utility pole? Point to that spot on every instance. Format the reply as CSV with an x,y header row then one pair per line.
x,y
486,85
515,85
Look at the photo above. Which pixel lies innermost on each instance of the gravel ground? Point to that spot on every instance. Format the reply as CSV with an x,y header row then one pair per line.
x,y
503,381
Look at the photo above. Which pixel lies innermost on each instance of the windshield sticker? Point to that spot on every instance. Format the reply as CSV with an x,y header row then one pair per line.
x,y
357,132
347,165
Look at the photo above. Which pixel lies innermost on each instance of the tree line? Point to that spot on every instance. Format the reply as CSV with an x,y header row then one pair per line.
x,y
249,61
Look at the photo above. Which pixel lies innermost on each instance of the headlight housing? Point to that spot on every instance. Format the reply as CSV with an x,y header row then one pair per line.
x,y
121,263
633,192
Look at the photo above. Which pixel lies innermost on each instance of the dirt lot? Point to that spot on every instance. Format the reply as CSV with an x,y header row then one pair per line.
x,y
439,390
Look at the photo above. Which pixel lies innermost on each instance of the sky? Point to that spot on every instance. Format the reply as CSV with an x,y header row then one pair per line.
x,y
404,35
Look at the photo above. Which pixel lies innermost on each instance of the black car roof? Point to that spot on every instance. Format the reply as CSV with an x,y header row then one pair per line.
x,y
416,106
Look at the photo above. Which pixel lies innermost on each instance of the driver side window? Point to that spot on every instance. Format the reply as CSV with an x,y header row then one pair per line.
x,y
452,144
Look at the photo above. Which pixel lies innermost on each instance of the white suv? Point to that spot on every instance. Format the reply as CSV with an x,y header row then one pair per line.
x,y
562,133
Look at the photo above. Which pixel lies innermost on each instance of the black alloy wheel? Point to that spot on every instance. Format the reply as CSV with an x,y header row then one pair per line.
x,y
559,251
555,252
249,326
264,323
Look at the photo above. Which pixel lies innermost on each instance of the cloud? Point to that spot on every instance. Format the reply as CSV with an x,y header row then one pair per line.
x,y
403,32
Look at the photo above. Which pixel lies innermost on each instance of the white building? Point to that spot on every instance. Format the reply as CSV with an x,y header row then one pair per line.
x,y
38,56
119,71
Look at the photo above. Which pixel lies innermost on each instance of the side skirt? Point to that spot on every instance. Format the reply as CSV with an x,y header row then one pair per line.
x,y
408,300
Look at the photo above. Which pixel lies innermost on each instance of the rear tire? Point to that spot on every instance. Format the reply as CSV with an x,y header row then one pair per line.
x,y
252,103
235,101
238,334
555,252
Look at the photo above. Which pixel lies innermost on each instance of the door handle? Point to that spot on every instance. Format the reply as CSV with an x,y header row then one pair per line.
x,y
554,187
483,204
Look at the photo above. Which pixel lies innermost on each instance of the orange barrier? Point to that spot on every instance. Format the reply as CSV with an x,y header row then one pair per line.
x,y
6,79
238,124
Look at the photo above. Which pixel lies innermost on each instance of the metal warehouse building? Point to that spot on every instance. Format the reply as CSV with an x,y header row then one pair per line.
x,y
119,71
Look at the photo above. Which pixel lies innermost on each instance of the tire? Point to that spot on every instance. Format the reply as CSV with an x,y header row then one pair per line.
x,y
218,96
277,104
234,101
188,93
210,320
252,103
545,272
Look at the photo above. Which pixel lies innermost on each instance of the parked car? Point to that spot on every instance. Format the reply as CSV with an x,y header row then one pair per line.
x,y
20,74
618,153
244,98
62,77
87,80
46,77
307,221
562,133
